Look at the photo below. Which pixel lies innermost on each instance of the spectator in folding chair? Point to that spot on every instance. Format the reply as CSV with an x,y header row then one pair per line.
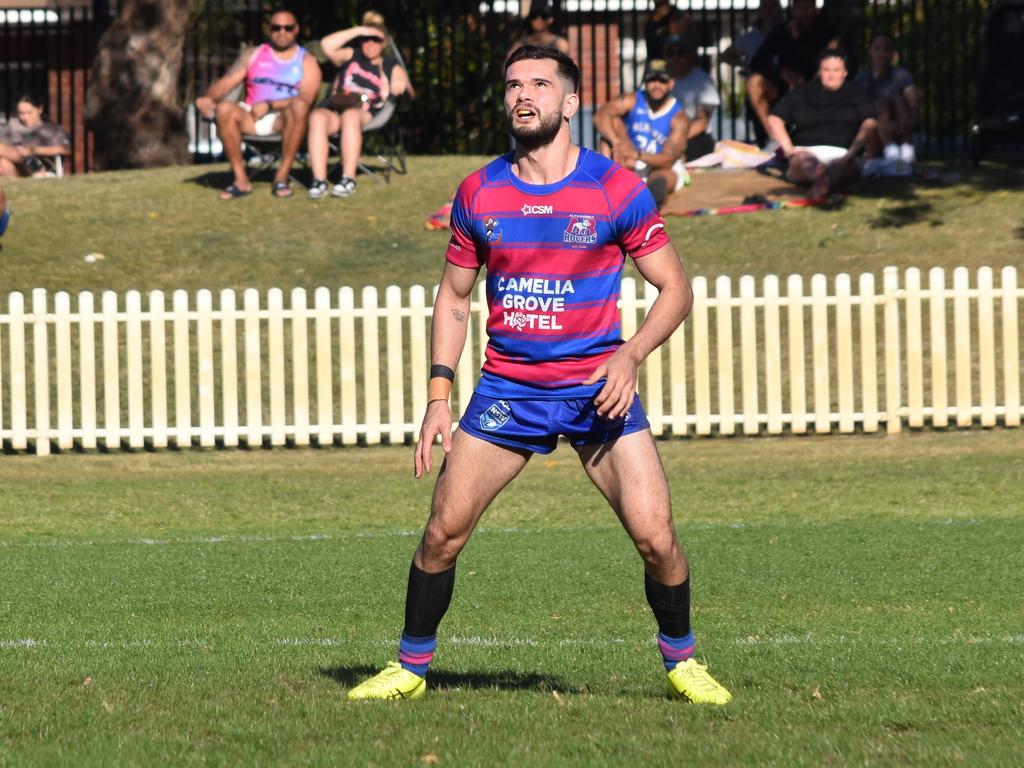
x,y
366,81
31,146
281,81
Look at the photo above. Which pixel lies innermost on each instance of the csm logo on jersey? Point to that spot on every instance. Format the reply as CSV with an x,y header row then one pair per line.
x,y
581,230
537,210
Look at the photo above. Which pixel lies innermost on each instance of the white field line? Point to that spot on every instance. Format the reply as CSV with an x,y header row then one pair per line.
x,y
477,641
146,541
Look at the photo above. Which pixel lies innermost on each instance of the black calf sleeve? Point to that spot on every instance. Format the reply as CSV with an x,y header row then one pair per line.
x,y
426,600
671,606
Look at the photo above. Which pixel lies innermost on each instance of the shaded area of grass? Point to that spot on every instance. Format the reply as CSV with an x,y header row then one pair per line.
x,y
858,595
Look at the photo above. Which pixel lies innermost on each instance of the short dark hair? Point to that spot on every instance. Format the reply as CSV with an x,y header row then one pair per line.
x,y
29,98
567,68
834,53
885,35
276,9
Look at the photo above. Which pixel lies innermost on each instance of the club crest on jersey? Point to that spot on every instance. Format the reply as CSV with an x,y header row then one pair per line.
x,y
581,230
493,228
495,417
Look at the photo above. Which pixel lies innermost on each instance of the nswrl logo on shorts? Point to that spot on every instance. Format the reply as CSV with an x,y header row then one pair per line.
x,y
495,417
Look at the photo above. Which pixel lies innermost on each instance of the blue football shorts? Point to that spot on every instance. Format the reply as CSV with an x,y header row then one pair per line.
x,y
535,425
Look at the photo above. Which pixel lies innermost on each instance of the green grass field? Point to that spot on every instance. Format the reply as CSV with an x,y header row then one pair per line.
x,y
860,596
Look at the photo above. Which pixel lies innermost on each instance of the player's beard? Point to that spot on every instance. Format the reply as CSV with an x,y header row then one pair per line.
x,y
532,138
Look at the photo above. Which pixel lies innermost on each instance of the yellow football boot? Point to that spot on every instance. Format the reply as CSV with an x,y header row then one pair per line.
x,y
395,682
690,680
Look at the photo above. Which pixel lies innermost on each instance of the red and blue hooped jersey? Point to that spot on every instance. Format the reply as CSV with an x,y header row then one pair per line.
x,y
554,255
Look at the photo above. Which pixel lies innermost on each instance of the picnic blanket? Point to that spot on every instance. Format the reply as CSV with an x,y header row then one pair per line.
x,y
718,192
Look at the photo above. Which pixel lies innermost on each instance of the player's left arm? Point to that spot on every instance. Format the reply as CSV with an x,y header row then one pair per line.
x,y
664,270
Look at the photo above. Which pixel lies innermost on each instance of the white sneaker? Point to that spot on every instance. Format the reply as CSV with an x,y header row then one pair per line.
x,y
907,153
317,189
892,152
344,188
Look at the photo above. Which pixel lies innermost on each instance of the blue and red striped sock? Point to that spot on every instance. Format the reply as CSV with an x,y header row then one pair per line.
x,y
416,653
675,649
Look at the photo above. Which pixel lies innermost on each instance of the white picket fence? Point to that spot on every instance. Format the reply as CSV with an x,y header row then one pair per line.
x,y
134,374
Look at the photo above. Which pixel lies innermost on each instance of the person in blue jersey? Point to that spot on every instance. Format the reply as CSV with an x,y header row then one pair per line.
x,y
646,131
551,223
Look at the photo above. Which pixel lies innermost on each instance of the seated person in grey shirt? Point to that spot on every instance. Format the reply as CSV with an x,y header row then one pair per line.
x,y
892,89
28,138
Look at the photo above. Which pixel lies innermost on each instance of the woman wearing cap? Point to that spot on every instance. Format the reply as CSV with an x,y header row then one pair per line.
x,y
365,81
539,23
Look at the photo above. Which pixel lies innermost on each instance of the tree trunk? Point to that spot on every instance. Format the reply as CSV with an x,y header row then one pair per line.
x,y
132,107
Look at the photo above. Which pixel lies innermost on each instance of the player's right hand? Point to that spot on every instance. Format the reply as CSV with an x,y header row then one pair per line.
x,y
436,421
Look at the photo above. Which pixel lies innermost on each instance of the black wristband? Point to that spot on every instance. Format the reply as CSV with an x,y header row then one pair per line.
x,y
442,372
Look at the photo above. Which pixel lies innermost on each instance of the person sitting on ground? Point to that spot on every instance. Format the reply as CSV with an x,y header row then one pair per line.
x,y
281,81
694,89
788,58
540,29
892,89
742,51
28,141
822,126
646,132
365,81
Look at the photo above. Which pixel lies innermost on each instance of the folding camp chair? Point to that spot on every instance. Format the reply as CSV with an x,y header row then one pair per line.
x,y
386,136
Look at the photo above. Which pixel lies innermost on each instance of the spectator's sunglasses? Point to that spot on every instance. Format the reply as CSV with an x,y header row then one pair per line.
x,y
282,27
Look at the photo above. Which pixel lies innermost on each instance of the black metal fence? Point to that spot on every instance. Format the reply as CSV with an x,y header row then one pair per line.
x,y
454,49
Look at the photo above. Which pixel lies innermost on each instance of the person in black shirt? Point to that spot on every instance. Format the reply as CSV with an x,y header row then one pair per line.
x,y
788,57
822,126
366,80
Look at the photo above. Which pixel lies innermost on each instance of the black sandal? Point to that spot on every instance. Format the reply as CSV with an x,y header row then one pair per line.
x,y
233,191
281,189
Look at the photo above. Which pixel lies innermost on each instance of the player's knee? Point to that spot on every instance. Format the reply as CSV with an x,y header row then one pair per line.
x,y
658,548
440,545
